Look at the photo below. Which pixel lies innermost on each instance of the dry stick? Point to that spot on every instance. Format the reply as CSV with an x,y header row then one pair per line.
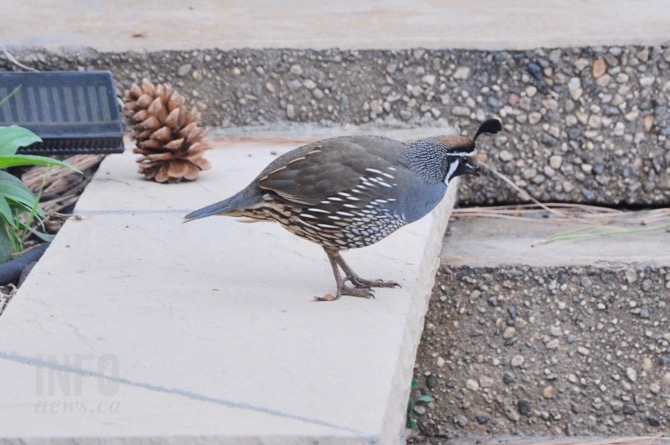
x,y
522,193
576,235
591,216
593,212
33,177
56,205
60,181
604,215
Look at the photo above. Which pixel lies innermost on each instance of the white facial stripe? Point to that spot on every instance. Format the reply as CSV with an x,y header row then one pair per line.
x,y
452,169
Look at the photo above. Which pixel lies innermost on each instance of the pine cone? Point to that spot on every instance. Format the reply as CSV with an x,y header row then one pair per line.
x,y
165,133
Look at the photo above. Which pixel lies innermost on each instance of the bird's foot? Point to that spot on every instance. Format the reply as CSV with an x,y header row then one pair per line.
x,y
363,288
361,292
363,283
360,287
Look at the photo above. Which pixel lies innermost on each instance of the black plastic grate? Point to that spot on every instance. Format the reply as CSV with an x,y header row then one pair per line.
x,y
73,112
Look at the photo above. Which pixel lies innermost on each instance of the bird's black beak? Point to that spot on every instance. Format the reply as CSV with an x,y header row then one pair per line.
x,y
470,166
466,166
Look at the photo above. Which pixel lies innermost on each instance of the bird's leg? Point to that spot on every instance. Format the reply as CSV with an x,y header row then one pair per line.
x,y
362,282
361,287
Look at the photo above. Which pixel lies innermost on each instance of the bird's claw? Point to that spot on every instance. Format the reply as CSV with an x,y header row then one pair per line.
x,y
358,291
361,288
363,283
361,292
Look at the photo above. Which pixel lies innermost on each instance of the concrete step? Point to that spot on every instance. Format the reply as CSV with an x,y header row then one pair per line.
x,y
566,338
586,124
348,24
136,328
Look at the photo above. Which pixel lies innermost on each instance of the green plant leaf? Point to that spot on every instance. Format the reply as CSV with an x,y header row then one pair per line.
x,y
15,191
6,245
14,137
19,207
41,235
18,160
6,213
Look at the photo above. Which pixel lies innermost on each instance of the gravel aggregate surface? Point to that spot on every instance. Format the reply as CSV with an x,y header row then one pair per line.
x,y
581,124
552,351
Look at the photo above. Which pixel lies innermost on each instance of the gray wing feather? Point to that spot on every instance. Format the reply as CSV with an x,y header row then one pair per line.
x,y
313,172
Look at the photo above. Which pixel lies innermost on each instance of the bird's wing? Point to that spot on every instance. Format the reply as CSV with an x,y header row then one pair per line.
x,y
316,171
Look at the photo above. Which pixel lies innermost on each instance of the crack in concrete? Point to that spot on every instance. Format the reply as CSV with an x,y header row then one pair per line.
x,y
36,362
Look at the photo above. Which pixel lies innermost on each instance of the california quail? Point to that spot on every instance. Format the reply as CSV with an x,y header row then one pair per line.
x,y
352,191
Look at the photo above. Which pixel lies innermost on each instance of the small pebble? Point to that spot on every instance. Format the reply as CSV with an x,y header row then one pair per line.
x,y
511,341
647,363
617,405
461,420
296,69
508,378
290,112
517,361
509,332
555,162
599,68
472,385
653,421
535,70
483,418
431,381
548,392
552,344
183,70
583,351
505,156
486,381
524,407
462,73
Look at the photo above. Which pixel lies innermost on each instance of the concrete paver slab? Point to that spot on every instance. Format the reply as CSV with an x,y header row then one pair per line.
x,y
493,242
137,328
489,24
